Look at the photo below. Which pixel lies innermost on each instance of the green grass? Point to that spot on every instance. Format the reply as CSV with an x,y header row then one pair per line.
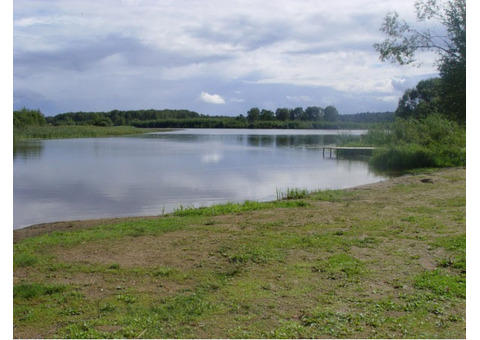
x,y
291,194
74,131
234,208
386,262
30,291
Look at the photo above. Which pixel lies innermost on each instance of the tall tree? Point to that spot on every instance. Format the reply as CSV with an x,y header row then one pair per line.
x,y
331,114
282,114
253,114
422,100
404,40
296,113
267,115
313,113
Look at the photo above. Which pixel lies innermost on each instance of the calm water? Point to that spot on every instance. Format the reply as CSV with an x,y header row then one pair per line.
x,y
70,179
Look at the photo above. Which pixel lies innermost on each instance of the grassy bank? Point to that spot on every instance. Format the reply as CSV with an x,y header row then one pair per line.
x,y
433,141
381,261
74,131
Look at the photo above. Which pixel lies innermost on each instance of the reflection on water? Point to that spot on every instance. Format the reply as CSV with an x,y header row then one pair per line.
x,y
155,173
24,150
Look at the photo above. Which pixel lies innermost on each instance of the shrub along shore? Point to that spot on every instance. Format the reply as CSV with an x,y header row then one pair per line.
x,y
386,260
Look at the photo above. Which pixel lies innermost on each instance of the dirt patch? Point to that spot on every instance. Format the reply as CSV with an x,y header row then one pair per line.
x,y
173,250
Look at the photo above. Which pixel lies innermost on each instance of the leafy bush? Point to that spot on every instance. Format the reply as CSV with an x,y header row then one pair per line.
x,y
25,117
433,141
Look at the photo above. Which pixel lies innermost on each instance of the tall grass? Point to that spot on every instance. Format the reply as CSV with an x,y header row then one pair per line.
x,y
73,131
291,194
433,141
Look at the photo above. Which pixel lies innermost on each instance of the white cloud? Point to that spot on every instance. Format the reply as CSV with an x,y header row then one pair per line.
x,y
134,49
211,98
301,98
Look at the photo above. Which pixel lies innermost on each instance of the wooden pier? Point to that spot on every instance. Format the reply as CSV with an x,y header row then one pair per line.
x,y
349,148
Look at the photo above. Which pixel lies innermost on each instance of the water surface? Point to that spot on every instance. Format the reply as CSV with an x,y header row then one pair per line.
x,y
151,174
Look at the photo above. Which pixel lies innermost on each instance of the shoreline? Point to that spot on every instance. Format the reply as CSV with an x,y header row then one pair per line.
x,y
70,225
370,258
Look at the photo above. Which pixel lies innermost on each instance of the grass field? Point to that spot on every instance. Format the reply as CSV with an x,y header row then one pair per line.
x,y
386,260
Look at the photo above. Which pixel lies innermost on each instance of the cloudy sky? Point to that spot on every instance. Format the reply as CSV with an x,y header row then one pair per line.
x,y
216,57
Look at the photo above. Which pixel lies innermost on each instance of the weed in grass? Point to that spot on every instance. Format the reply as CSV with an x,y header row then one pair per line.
x,y
442,284
331,195
254,255
30,291
26,259
336,324
340,265
287,330
85,330
106,308
128,299
456,249
163,271
137,231
181,308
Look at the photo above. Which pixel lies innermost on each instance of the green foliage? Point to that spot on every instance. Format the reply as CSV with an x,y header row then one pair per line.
x,y
433,141
404,40
229,208
25,118
455,247
24,259
421,101
291,194
312,117
340,264
331,114
118,118
442,284
331,195
72,131
30,291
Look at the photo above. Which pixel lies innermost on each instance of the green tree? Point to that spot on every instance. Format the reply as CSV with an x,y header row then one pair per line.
x,y
282,114
422,100
314,113
253,114
267,115
331,114
403,41
296,113
26,117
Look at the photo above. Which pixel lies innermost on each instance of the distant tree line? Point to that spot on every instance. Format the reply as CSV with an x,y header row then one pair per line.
x,y
283,118
310,114
311,117
119,118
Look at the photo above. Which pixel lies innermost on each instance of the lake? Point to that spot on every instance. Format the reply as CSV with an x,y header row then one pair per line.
x,y
151,174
